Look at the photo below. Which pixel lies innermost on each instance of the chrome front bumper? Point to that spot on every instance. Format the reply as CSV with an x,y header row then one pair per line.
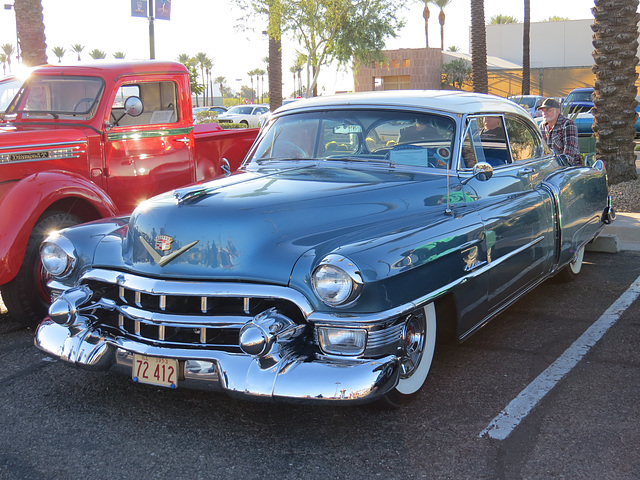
x,y
283,375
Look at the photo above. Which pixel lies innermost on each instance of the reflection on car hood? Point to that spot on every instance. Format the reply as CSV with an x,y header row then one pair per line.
x,y
255,225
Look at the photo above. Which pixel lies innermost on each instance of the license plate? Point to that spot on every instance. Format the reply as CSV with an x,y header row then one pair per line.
x,y
155,371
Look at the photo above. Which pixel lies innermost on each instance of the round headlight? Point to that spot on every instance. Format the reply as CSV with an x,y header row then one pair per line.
x,y
336,281
55,259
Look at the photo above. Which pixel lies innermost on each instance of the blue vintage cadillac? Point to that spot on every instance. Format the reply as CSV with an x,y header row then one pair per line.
x,y
360,229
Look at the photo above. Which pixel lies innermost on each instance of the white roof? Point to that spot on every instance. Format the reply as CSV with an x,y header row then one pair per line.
x,y
452,101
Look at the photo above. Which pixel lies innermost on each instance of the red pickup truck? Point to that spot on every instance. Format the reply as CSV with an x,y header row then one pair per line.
x,y
82,142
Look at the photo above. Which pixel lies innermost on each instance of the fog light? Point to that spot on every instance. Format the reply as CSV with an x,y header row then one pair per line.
x,y
341,341
64,309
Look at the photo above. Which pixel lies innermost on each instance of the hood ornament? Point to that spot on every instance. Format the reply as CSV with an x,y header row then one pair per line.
x,y
163,243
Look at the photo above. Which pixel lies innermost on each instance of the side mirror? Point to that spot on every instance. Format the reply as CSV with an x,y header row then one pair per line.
x,y
133,106
483,171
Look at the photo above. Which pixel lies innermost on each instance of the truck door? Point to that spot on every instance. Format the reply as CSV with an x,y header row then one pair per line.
x,y
151,153
517,216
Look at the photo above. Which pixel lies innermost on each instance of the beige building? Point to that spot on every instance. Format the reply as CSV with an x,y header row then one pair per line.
x,y
407,68
560,54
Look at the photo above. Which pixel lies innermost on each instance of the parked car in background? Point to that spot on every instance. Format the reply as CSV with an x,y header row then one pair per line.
x,y
584,122
578,101
529,102
248,115
359,229
216,109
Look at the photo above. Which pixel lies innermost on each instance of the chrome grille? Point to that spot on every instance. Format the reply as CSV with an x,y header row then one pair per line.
x,y
197,314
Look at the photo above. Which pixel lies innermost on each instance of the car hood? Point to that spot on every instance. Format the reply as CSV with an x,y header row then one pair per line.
x,y
254,226
22,136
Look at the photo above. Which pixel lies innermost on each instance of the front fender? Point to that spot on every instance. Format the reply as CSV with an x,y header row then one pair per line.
x,y
23,202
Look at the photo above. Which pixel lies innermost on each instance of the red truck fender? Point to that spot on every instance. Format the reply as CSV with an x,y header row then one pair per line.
x,y
21,209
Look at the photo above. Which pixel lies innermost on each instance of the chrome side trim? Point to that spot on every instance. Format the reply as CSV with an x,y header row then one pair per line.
x,y
50,145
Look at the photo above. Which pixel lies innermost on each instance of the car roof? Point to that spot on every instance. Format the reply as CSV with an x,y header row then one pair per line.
x,y
115,68
582,89
456,102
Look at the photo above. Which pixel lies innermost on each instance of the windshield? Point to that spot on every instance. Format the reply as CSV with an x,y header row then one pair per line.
x,y
393,137
579,97
58,97
528,102
8,89
241,110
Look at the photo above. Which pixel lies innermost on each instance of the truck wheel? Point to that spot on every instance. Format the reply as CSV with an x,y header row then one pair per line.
x,y
27,296
415,363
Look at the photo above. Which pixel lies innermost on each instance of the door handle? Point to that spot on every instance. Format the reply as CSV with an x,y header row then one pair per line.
x,y
525,171
184,140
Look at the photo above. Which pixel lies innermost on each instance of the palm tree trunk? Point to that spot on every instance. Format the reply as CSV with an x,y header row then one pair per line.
x,y
441,20
425,14
479,47
615,38
275,57
30,25
526,56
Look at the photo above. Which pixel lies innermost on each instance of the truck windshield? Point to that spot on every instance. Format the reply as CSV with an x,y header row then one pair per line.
x,y
394,137
8,89
67,98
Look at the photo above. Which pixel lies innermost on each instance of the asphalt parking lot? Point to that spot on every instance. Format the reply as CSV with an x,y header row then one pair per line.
x,y
59,422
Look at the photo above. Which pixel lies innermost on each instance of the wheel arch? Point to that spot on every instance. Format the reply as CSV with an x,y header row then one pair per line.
x,y
36,195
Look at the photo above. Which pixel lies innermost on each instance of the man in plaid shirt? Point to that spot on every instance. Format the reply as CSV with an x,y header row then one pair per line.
x,y
559,132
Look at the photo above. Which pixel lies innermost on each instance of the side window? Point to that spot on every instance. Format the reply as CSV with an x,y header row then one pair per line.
x,y
159,100
485,141
525,142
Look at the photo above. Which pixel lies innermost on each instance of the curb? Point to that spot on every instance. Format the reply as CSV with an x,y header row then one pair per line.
x,y
622,234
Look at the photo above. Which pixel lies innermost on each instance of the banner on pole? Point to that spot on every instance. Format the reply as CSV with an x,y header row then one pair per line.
x,y
163,9
139,8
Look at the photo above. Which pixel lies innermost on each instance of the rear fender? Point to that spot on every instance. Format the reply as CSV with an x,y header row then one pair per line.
x,y
23,203
581,195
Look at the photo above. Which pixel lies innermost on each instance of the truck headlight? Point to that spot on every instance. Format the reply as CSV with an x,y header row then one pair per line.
x,y
58,255
342,341
337,281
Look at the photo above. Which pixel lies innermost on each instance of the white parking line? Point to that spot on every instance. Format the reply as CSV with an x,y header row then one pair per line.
x,y
501,426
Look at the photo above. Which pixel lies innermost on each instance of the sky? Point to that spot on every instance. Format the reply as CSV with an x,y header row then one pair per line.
x,y
210,26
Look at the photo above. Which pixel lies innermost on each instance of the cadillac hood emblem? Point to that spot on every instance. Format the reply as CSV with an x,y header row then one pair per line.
x,y
163,243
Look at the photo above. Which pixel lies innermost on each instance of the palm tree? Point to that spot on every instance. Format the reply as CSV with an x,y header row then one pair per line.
x,y
275,53
30,26
260,73
502,19
441,4
119,55
208,65
526,54
453,48
251,73
425,14
3,60
59,52
77,48
97,54
184,59
221,81
479,47
615,39
201,59
7,49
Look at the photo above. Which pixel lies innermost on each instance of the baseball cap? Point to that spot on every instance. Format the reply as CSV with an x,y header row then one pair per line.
x,y
549,103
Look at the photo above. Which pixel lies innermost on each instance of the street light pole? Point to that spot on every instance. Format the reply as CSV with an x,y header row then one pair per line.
x,y
152,46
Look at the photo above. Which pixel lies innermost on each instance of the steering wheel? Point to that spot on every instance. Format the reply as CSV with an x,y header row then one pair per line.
x,y
287,148
81,101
